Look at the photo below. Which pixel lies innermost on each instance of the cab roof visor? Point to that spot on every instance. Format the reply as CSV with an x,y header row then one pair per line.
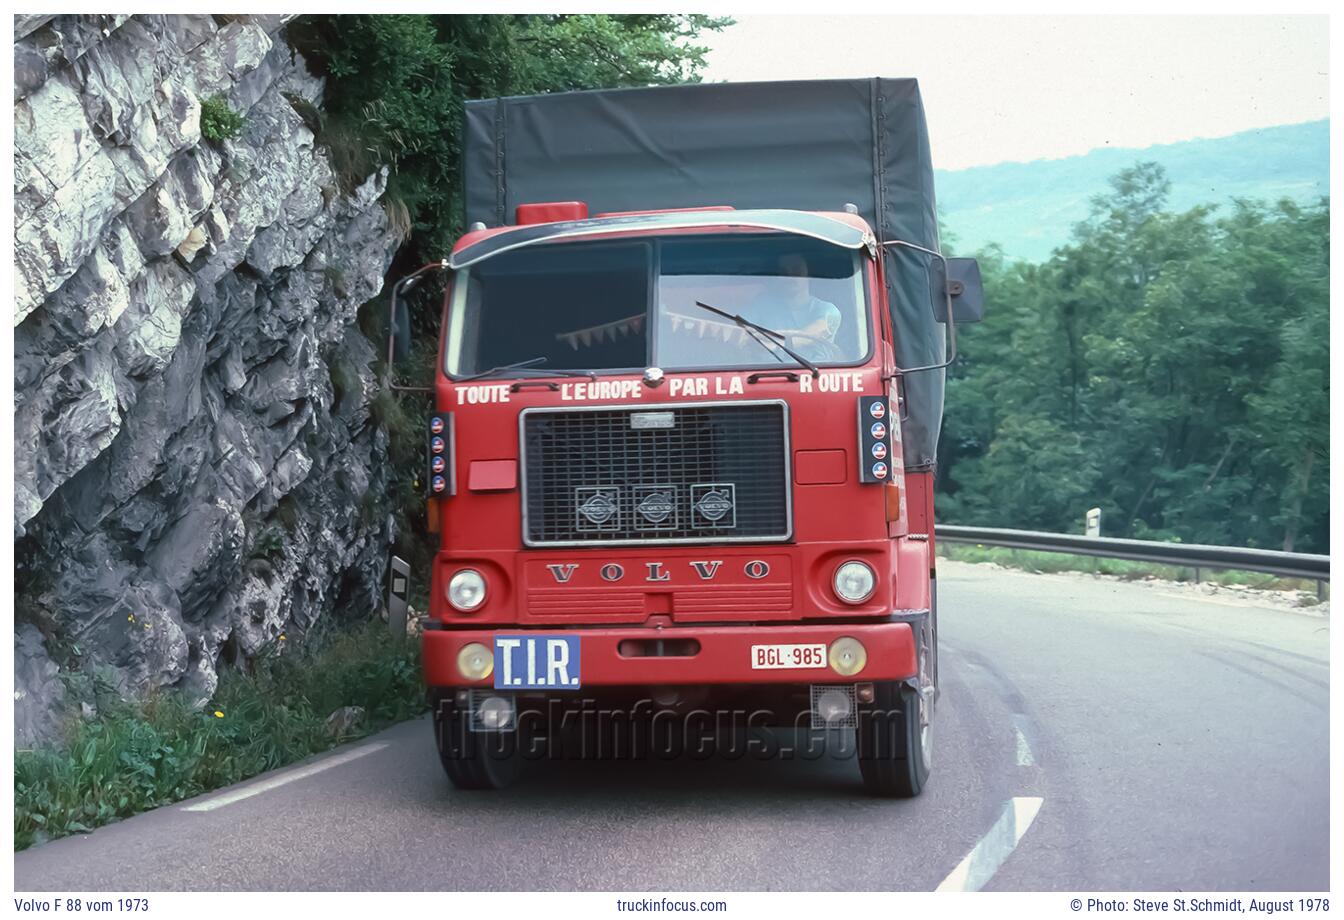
x,y
802,223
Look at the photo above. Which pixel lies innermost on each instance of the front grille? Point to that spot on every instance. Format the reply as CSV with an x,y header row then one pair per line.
x,y
708,474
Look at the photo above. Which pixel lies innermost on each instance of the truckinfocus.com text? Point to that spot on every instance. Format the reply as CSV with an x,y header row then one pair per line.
x,y
652,905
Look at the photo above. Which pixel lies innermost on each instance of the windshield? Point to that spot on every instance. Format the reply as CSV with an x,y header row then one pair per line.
x,y
609,306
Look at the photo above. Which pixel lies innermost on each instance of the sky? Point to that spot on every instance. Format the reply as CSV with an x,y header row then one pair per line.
x,y
1018,88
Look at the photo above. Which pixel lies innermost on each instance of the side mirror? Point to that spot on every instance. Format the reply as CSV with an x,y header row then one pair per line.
x,y
399,323
962,282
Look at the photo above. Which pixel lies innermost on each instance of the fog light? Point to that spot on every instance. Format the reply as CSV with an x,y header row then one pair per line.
x,y
854,582
495,713
474,661
833,706
466,589
847,656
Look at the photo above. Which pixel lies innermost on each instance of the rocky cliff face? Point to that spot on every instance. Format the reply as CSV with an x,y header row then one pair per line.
x,y
195,457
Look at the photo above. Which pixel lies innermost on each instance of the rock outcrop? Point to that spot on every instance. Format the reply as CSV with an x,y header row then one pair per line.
x,y
196,462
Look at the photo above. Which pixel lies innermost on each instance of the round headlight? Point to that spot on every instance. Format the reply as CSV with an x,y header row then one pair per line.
x,y
474,661
466,589
854,582
847,656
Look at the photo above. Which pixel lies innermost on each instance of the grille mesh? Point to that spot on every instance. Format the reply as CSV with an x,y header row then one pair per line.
x,y
719,472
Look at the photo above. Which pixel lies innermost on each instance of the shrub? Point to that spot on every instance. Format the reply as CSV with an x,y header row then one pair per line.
x,y
218,121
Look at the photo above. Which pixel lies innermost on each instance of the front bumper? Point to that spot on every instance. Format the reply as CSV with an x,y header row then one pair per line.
x,y
724,656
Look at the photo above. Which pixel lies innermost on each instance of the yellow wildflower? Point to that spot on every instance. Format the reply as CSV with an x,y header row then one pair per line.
x,y
218,714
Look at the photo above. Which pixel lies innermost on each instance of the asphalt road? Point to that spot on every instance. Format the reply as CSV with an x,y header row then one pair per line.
x,y
1159,738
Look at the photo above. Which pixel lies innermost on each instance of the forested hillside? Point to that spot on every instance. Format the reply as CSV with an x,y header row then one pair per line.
x,y
1170,366
1030,208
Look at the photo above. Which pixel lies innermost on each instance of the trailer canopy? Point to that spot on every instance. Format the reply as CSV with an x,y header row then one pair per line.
x,y
804,145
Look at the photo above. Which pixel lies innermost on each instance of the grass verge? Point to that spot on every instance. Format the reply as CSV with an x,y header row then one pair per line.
x,y
136,756
1037,561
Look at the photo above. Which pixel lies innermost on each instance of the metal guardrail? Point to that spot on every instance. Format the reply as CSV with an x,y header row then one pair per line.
x,y
1191,555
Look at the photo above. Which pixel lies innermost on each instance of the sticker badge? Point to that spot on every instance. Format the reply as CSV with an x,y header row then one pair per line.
x,y
435,425
879,471
656,507
878,409
714,504
596,508
878,431
880,450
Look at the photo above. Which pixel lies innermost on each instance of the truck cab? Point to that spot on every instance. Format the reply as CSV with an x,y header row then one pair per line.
x,y
686,410
669,467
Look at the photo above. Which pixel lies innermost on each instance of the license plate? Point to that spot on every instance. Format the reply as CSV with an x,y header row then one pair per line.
x,y
766,657
533,662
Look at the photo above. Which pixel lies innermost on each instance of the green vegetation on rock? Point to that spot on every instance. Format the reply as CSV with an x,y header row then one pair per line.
x,y
218,121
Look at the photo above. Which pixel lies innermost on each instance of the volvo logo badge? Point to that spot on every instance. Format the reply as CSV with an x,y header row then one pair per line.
x,y
715,504
656,506
596,506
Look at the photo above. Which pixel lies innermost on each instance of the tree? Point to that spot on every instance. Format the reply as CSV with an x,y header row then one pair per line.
x,y
1172,368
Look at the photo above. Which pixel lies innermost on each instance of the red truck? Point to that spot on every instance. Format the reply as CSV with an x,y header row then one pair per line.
x,y
687,400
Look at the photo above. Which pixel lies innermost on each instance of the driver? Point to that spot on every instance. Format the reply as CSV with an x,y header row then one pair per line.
x,y
788,307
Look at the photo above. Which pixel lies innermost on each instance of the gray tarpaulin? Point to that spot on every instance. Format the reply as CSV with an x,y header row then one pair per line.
x,y
809,145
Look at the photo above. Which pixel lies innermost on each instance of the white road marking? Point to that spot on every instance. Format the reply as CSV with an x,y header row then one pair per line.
x,y
275,782
979,866
1024,755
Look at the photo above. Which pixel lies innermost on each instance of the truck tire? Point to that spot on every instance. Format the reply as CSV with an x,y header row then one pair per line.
x,y
893,741
473,760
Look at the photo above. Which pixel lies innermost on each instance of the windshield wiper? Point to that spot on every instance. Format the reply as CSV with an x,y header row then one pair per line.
x,y
517,365
776,339
530,367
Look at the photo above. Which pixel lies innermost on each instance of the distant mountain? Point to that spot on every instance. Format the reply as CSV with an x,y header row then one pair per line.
x,y
1030,208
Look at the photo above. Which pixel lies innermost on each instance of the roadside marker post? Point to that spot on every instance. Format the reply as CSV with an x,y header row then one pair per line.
x,y
398,589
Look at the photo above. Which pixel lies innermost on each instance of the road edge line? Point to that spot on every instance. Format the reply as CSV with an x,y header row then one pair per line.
x,y
289,776
990,852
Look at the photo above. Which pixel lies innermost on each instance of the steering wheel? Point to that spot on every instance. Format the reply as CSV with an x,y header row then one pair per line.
x,y
815,347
